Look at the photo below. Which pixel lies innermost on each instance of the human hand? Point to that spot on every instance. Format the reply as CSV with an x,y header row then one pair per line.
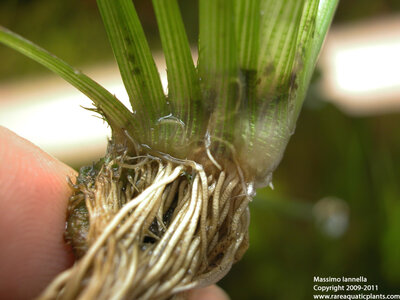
x,y
33,205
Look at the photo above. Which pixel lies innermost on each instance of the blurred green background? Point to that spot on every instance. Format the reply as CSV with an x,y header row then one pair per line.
x,y
335,209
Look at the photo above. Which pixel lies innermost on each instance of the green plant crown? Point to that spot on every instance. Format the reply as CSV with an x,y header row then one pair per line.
x,y
242,99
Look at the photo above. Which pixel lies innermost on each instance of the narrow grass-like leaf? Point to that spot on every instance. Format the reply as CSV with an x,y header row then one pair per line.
x,y
247,18
312,46
261,138
294,25
280,21
114,111
304,39
291,34
138,70
218,67
183,85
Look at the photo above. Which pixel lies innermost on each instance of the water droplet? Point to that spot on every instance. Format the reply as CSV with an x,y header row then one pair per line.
x,y
207,139
271,185
262,12
170,119
134,112
250,190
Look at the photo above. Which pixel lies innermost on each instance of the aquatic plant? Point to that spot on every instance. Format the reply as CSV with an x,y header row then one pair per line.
x,y
166,209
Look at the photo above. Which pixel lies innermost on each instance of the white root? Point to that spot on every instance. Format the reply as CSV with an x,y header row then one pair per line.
x,y
157,228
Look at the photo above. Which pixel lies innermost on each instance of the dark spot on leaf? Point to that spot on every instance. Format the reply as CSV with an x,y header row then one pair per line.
x,y
211,96
136,70
131,57
128,40
269,69
249,76
234,90
249,82
311,26
292,82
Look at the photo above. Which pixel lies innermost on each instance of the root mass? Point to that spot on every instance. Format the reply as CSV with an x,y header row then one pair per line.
x,y
147,227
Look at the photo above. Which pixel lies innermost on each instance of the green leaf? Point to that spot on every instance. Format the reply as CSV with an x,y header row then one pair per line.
x,y
247,32
183,84
290,36
280,22
255,62
113,110
138,70
322,20
248,17
218,67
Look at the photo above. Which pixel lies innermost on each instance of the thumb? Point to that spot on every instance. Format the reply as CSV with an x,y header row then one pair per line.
x,y
33,202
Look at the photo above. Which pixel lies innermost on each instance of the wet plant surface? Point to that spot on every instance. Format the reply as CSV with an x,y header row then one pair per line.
x,y
166,210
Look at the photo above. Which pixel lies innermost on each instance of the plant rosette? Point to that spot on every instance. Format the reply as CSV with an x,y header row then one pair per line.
x,y
166,209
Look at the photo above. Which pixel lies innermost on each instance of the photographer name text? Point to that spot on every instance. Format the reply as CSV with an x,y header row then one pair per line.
x,y
359,279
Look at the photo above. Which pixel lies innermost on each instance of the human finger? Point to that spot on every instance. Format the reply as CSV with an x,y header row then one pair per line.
x,y
33,200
